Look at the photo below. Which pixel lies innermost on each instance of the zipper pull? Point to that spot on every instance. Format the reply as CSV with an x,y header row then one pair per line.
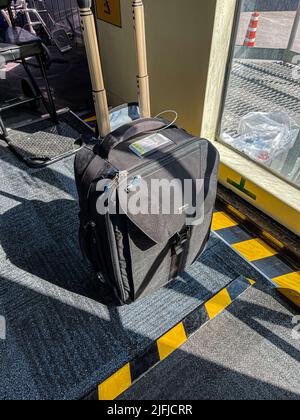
x,y
136,180
117,179
90,224
120,178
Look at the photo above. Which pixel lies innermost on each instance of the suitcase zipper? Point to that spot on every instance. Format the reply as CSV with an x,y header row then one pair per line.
x,y
115,256
162,162
166,159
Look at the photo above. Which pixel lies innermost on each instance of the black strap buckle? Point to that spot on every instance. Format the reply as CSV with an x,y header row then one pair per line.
x,y
180,240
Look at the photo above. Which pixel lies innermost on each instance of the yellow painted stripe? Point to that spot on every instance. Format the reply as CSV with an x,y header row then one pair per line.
x,y
115,385
171,341
265,201
91,119
289,286
278,244
218,303
236,212
289,281
221,220
291,295
118,383
255,249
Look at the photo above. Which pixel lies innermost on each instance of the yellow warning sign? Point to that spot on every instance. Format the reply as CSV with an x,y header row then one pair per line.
x,y
109,11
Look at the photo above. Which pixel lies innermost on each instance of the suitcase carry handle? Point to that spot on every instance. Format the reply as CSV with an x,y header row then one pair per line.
x,y
94,61
131,130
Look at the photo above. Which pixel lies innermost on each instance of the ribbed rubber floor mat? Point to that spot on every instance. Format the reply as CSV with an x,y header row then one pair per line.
x,y
43,141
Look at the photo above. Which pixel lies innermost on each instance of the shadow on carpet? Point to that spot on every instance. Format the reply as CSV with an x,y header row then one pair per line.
x,y
61,342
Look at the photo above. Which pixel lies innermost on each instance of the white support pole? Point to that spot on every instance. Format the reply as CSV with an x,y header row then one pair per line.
x,y
94,61
6,17
295,30
27,16
143,77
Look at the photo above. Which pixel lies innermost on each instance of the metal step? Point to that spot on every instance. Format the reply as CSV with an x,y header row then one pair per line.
x,y
23,100
43,142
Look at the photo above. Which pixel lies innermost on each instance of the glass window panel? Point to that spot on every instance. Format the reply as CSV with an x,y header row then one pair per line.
x,y
261,116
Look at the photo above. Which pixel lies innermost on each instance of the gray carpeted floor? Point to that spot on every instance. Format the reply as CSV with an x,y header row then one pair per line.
x,y
61,342
247,353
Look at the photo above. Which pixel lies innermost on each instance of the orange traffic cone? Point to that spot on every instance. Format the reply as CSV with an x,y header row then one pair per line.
x,y
252,30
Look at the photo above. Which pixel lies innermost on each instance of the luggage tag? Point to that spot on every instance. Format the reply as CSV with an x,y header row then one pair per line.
x,y
149,144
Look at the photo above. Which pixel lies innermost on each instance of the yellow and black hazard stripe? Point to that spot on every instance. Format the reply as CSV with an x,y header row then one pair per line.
x,y
91,119
172,340
260,249
92,122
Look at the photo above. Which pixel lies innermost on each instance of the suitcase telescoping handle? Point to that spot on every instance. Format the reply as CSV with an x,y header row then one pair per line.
x,y
141,48
94,61
95,68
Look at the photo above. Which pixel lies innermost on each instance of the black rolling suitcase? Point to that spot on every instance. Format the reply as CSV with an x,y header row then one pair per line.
x,y
147,192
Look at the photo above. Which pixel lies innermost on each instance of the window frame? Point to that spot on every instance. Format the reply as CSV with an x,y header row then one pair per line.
x,y
274,197
229,65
